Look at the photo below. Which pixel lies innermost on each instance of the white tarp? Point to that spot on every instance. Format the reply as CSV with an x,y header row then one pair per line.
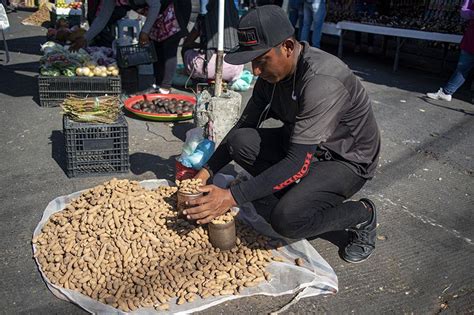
x,y
314,278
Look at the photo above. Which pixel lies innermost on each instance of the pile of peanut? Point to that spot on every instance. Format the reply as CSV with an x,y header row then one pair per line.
x,y
189,186
224,218
123,245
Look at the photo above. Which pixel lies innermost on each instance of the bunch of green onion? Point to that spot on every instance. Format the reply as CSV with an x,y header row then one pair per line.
x,y
102,109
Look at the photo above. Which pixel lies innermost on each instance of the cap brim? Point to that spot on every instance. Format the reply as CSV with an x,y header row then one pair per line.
x,y
240,56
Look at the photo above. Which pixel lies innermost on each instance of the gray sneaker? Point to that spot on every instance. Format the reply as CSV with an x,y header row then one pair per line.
x,y
362,238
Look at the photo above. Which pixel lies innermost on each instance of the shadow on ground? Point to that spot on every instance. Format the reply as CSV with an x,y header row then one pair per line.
x,y
141,162
16,84
58,149
25,45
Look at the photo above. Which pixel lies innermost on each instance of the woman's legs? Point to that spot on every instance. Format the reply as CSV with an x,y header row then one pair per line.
x,y
295,8
465,64
313,16
319,13
165,67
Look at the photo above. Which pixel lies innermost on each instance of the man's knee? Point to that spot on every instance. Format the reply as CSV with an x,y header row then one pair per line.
x,y
238,144
284,222
284,229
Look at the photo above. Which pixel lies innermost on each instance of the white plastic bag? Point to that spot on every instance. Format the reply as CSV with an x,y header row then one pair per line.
x,y
314,278
193,137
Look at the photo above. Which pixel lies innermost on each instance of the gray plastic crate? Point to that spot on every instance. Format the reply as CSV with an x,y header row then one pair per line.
x,y
96,149
53,90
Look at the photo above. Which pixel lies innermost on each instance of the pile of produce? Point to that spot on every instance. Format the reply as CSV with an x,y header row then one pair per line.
x,y
39,17
92,61
224,218
124,245
77,5
102,109
189,186
164,106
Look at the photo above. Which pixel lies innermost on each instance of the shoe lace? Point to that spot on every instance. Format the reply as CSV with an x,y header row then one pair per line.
x,y
359,237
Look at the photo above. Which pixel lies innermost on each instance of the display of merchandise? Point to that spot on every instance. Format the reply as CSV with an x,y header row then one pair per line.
x,y
63,7
440,16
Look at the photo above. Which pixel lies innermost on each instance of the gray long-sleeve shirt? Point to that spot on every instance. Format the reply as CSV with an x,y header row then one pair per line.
x,y
106,12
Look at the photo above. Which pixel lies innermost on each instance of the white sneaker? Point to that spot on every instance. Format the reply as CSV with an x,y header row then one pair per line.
x,y
440,95
164,91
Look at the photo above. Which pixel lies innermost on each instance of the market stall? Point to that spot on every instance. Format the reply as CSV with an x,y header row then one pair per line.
x,y
431,20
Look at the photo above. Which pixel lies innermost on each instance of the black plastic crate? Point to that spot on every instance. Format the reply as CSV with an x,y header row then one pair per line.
x,y
134,55
53,90
129,78
96,149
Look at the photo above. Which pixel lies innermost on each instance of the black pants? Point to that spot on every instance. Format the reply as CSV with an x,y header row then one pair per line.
x,y
165,67
311,207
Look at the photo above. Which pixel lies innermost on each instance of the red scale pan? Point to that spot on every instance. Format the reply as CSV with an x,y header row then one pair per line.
x,y
159,116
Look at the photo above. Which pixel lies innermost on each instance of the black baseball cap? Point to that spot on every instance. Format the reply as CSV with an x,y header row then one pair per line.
x,y
260,30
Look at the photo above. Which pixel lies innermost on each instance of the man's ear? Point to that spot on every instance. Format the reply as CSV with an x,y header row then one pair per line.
x,y
289,46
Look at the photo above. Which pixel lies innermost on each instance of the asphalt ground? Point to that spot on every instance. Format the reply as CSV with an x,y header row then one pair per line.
x,y
423,190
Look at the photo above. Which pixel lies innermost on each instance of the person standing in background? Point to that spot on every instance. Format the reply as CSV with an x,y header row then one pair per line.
x,y
313,16
203,7
167,49
295,14
103,15
466,57
166,41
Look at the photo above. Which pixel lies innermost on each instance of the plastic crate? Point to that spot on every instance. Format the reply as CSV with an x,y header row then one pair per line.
x,y
53,90
96,149
134,55
129,78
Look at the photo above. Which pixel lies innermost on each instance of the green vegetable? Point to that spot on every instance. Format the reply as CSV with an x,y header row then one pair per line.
x,y
69,72
50,72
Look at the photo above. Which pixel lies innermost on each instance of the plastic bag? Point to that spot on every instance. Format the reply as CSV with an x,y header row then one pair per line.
x,y
193,137
314,278
243,82
201,155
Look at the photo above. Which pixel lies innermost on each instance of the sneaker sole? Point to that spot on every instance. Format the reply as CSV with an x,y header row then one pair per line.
x,y
357,262
437,98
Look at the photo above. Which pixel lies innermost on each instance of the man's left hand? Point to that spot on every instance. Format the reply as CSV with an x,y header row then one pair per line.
x,y
215,203
144,39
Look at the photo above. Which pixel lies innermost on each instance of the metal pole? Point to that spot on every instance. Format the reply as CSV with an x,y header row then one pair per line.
x,y
220,50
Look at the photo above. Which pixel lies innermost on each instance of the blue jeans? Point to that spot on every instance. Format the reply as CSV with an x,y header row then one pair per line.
x,y
465,64
295,12
313,15
202,6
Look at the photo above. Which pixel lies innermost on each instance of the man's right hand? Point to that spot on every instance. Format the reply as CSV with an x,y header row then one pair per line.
x,y
203,175
79,43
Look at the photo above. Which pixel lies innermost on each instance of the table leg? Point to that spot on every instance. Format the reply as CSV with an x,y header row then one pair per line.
x,y
445,54
397,53
339,48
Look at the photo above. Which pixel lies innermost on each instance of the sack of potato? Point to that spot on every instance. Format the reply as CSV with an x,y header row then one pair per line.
x,y
120,247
